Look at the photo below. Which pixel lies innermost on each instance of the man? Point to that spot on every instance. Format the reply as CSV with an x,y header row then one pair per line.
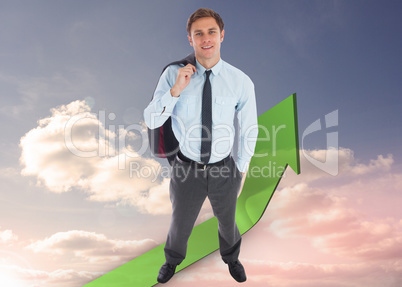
x,y
201,101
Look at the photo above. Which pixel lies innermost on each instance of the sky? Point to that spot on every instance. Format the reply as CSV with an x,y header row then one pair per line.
x,y
75,77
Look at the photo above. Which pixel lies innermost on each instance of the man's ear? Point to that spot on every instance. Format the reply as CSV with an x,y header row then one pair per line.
x,y
222,35
190,40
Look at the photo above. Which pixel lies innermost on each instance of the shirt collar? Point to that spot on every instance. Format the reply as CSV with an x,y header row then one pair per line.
x,y
215,69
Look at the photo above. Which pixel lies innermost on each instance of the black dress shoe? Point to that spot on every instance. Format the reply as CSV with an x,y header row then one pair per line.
x,y
236,269
166,272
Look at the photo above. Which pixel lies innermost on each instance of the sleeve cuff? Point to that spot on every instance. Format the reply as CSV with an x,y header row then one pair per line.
x,y
168,100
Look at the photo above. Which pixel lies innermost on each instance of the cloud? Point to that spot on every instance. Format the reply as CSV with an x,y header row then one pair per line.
x,y
311,275
156,201
212,272
301,210
20,276
335,219
380,164
7,236
92,247
348,166
368,240
72,149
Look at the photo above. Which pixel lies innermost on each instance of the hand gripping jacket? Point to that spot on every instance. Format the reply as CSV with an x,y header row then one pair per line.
x,y
162,141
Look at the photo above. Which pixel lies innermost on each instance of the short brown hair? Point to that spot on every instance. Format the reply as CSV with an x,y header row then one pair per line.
x,y
201,13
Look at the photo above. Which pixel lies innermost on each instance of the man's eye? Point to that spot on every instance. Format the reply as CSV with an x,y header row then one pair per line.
x,y
211,32
198,34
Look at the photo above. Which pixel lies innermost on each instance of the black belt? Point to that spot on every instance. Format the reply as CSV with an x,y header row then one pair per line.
x,y
183,159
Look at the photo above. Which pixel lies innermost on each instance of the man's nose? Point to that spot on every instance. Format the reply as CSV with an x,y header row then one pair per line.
x,y
206,38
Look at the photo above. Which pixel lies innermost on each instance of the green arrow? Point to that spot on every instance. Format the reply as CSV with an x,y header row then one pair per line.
x,y
277,146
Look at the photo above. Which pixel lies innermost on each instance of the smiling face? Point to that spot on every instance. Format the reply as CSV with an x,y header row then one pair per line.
x,y
206,39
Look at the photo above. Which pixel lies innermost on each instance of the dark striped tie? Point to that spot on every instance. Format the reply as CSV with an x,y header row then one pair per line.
x,y
206,137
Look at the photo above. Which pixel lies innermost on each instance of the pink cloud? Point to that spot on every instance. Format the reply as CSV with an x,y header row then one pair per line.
x,y
328,221
212,272
369,240
338,239
92,247
301,210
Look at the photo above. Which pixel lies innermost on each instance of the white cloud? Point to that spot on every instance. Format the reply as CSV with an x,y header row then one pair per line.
x,y
7,236
380,164
72,149
92,247
157,200
348,167
20,276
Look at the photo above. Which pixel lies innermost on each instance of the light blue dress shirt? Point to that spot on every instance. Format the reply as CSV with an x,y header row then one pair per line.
x,y
232,91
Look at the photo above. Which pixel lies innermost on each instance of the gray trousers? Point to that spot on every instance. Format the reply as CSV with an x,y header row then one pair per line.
x,y
189,186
